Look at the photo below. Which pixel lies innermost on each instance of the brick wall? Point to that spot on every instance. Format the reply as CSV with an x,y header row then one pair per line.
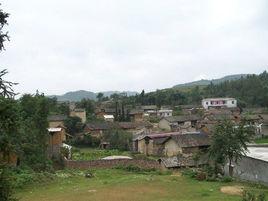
x,y
145,164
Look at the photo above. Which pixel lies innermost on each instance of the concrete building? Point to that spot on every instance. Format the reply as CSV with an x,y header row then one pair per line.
x,y
108,118
253,166
164,113
219,103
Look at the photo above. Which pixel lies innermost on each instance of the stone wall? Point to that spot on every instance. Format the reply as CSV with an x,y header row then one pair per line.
x,y
145,164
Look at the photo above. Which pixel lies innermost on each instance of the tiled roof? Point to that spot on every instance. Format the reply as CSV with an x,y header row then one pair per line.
x,y
182,118
57,117
99,126
148,107
79,110
192,139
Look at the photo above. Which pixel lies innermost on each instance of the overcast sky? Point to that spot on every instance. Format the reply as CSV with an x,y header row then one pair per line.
x,y
62,45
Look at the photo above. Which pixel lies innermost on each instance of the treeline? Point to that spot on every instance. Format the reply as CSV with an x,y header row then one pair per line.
x,y
23,128
250,91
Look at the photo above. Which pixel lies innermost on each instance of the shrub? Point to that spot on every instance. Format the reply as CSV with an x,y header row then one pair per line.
x,y
226,179
190,173
251,196
201,176
135,169
89,174
6,185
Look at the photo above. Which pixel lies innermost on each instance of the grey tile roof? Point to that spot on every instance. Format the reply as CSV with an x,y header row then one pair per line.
x,y
99,126
182,118
57,117
192,139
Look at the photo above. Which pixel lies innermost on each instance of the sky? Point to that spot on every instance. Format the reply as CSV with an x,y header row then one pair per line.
x,y
58,46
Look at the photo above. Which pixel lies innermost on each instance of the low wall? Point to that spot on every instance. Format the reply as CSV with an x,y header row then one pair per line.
x,y
145,164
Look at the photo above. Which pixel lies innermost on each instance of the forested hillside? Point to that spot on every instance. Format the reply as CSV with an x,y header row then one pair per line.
x,y
251,91
204,82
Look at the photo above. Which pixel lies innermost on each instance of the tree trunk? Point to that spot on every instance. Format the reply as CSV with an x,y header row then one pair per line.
x,y
231,169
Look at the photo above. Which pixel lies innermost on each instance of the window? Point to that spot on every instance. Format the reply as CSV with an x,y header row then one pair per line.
x,y
232,102
207,103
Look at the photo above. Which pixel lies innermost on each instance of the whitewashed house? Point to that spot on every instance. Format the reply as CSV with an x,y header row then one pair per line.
x,y
164,113
108,118
219,103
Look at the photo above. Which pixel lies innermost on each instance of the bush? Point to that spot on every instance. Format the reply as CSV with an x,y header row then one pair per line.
x,y
251,196
25,176
135,169
201,176
86,140
6,185
119,139
190,173
226,179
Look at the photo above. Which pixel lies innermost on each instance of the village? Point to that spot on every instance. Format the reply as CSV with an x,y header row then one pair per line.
x,y
133,100
174,141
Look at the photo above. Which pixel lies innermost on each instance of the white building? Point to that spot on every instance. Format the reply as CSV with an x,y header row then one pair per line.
x,y
164,113
108,118
219,103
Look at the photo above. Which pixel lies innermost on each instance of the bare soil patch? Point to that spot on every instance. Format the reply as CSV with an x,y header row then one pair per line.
x,y
232,190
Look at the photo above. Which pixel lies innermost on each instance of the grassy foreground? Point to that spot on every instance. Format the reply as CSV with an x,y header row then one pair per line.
x,y
262,140
120,185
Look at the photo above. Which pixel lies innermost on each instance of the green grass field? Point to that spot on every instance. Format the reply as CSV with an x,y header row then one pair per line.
x,y
120,185
262,140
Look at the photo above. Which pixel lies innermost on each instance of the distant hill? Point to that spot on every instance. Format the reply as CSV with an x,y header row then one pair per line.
x,y
74,96
214,81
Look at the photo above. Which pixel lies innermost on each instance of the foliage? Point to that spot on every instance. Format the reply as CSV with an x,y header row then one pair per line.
x,y
154,119
73,125
24,176
86,140
229,142
3,22
56,107
263,140
118,139
251,196
135,169
100,96
251,90
6,185
6,87
9,127
34,110
87,104
226,179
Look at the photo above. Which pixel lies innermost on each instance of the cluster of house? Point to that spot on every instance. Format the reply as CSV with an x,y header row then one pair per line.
x,y
181,137
174,139
108,111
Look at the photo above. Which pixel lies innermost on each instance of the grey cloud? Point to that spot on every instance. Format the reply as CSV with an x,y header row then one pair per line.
x,y
57,46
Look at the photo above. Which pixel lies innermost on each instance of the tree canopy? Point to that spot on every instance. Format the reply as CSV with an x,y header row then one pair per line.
x,y
229,142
